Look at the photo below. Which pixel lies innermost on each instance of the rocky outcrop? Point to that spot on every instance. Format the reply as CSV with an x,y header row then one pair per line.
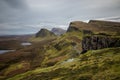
x,y
44,33
99,42
58,31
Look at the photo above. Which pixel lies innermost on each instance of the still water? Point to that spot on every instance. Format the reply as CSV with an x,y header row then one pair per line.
x,y
23,44
26,44
4,51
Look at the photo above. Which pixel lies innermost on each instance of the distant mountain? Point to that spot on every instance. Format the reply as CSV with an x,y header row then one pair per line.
x,y
44,33
58,31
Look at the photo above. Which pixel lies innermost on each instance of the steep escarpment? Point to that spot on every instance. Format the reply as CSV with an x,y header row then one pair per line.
x,y
99,42
97,34
96,26
45,33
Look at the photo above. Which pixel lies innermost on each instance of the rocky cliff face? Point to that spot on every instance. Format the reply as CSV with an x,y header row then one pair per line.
x,y
44,33
58,31
97,34
99,42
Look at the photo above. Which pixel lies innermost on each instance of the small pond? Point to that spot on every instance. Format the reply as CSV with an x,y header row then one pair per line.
x,y
26,44
4,51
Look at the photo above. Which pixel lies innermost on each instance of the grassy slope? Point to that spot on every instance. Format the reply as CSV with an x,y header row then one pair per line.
x,y
42,53
29,57
62,62
94,65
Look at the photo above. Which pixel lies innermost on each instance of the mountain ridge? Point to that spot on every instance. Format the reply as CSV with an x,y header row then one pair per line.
x,y
96,26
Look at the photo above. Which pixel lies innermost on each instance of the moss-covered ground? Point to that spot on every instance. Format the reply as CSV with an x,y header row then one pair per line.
x,y
59,58
94,65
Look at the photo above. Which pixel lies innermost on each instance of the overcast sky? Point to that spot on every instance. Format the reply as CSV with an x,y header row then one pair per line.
x,y
29,16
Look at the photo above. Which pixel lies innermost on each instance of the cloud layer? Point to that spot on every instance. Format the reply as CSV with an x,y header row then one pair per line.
x,y
27,16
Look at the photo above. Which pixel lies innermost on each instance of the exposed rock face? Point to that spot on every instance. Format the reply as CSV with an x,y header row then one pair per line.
x,y
97,34
99,42
58,31
45,33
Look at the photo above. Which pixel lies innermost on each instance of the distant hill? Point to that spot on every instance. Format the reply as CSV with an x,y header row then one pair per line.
x,y
44,33
58,31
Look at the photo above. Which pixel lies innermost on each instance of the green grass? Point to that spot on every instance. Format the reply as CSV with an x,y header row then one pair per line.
x,y
14,67
38,39
94,65
58,59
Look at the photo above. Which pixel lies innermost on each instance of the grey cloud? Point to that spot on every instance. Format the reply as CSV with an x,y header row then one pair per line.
x,y
18,4
16,29
50,13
